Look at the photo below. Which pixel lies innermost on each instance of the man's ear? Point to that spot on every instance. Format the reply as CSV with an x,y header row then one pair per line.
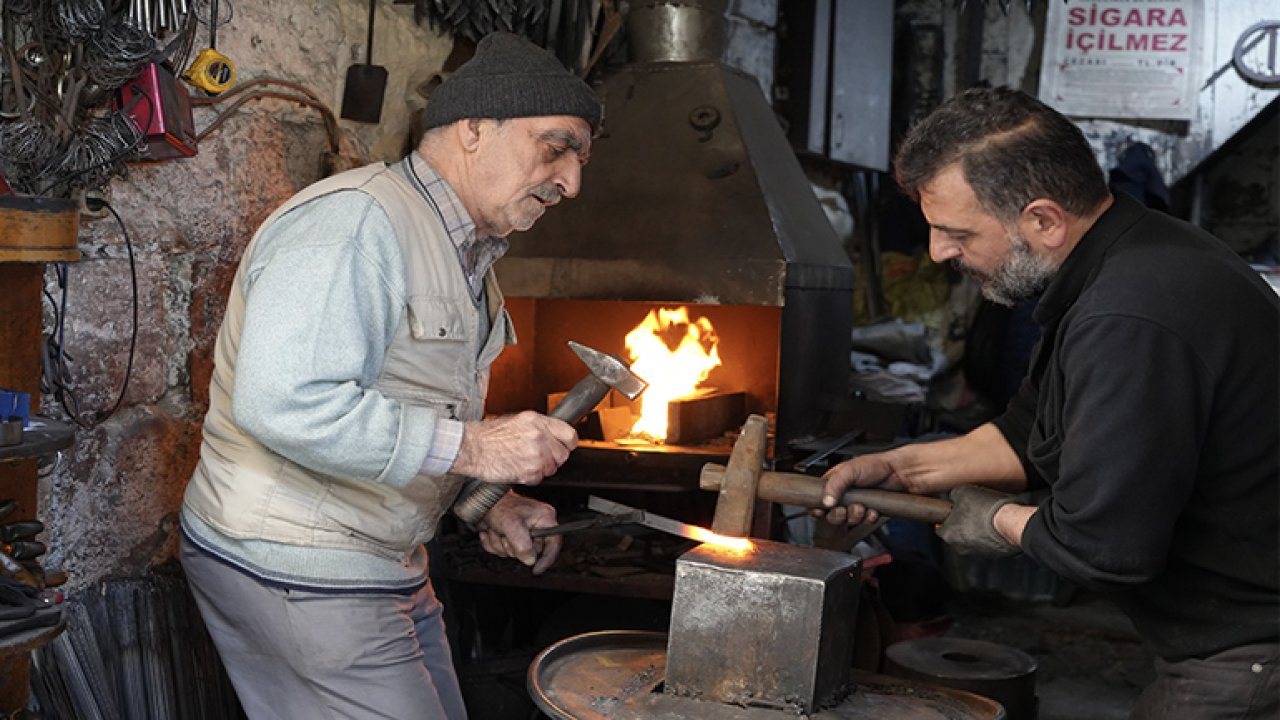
x,y
1043,222
468,131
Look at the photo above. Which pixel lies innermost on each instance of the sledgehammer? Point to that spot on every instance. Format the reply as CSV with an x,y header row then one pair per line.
x,y
806,491
607,372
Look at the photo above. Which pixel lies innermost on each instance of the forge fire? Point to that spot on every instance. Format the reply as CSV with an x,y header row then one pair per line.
x,y
674,355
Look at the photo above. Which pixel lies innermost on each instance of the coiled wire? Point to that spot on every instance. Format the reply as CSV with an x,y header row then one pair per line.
x,y
114,56
76,20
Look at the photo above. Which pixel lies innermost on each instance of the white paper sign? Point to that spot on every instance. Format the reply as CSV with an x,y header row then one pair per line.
x,y
1122,58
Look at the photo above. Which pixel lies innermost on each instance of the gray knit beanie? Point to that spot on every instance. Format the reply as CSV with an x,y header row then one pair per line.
x,y
511,77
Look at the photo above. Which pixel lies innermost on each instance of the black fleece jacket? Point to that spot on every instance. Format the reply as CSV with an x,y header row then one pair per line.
x,y
1152,411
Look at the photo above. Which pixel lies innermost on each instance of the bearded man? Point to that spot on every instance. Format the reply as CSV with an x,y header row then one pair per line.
x,y
1150,411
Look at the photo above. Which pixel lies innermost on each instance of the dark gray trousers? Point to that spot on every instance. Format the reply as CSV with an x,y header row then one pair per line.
x,y
293,654
1237,684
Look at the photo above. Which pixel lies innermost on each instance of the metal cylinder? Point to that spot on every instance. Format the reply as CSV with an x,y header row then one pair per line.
x,y
999,672
688,31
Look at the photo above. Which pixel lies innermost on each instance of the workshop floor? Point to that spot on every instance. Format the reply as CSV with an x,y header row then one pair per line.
x,y
1091,663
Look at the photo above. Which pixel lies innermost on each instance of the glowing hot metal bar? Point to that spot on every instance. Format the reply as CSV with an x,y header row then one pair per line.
x,y
667,525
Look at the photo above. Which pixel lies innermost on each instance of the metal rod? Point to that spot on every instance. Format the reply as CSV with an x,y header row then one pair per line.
x,y
822,454
368,52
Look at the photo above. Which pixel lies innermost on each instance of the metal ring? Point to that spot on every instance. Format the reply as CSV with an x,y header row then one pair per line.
x,y
1243,46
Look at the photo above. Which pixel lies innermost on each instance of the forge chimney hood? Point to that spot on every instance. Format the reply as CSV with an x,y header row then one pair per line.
x,y
693,193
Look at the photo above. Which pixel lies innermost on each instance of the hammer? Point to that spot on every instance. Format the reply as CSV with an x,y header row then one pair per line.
x,y
607,372
742,482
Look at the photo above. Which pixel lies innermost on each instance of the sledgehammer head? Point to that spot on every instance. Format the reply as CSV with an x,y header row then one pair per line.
x,y
610,370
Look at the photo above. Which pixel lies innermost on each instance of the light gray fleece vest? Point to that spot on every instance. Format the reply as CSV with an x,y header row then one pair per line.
x,y
246,491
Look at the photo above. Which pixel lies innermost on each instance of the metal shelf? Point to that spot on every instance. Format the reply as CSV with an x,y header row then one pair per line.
x,y
43,437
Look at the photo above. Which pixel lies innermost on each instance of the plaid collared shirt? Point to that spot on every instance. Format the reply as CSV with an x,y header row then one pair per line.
x,y
476,255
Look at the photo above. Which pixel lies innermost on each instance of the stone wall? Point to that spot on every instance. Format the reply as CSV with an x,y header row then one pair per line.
x,y
110,502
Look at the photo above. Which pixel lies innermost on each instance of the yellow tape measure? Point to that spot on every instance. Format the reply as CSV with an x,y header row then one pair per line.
x,y
211,72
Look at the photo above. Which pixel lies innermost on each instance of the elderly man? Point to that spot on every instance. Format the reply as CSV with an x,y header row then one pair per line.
x,y
346,403
1149,411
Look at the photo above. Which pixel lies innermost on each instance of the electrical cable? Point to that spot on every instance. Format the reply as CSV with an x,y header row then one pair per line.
x,y
56,379
310,99
324,111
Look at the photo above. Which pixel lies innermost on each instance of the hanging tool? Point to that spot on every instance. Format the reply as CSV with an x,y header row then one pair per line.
x,y
366,84
20,530
606,372
211,71
23,549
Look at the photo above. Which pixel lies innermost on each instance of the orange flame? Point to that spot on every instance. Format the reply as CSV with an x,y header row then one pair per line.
x,y
674,356
737,544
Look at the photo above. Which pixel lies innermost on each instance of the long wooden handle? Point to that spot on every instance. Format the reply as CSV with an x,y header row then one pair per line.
x,y
806,491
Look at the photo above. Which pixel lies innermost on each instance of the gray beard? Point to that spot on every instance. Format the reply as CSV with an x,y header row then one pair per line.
x,y
1023,274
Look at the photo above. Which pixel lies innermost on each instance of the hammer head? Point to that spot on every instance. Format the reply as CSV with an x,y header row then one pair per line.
x,y
610,370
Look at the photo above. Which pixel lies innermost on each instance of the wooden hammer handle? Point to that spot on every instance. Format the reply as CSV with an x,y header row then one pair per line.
x,y
806,491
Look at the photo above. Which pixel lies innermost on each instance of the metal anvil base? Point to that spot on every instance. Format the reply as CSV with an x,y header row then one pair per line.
x,y
767,627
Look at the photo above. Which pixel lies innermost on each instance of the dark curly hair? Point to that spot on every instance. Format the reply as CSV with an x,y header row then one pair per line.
x,y
1013,149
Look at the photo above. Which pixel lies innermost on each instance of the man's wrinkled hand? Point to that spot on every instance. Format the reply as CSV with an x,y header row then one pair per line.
x,y
970,528
504,531
516,449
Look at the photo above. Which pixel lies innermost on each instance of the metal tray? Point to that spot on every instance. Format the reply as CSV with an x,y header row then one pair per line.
x,y
616,675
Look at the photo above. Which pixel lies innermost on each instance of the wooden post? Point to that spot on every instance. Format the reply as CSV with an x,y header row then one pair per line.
x,y
33,231
21,285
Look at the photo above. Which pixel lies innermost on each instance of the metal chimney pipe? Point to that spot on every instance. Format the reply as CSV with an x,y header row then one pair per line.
x,y
677,30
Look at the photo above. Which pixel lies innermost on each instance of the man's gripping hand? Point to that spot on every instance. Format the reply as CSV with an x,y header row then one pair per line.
x,y
515,449
970,528
874,470
504,531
